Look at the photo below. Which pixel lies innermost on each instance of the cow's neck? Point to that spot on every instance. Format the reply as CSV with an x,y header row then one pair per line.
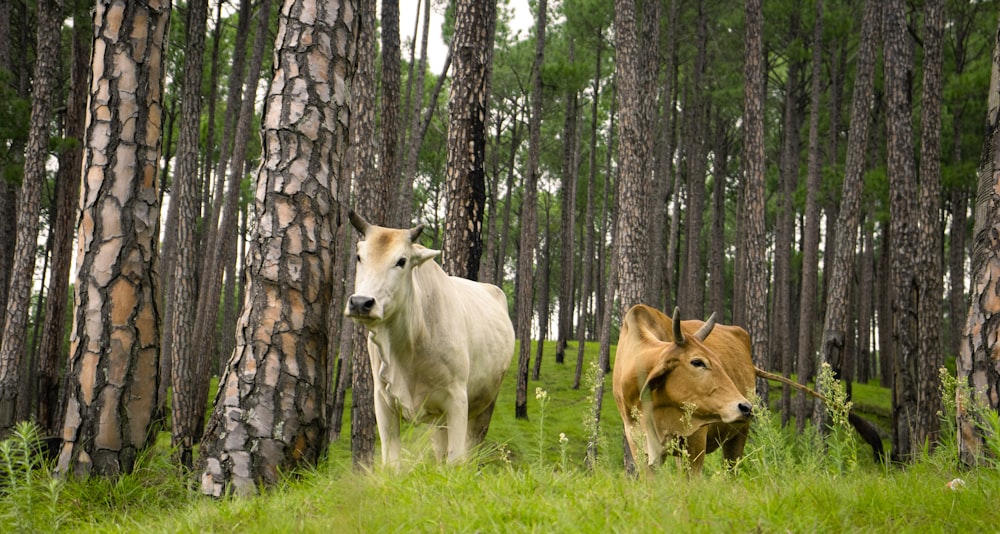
x,y
408,329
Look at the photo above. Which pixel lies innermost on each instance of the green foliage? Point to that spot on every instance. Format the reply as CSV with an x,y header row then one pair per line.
x,y
29,496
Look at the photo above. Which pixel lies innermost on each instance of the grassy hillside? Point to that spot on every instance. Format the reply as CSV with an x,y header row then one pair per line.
x,y
527,480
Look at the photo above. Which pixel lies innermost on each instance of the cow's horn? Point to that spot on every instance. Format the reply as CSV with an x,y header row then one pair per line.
x,y
706,328
678,335
358,222
415,232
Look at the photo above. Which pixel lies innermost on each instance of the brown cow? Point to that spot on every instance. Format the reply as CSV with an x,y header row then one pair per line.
x,y
673,380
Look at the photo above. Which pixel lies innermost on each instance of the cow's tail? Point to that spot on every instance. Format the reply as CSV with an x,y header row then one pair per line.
x,y
867,429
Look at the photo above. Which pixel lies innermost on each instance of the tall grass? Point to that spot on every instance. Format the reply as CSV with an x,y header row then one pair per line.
x,y
531,476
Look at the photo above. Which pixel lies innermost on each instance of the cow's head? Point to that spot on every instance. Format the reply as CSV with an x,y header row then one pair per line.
x,y
689,386
386,257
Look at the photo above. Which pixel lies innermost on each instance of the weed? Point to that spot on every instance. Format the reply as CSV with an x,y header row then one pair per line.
x,y
842,449
29,495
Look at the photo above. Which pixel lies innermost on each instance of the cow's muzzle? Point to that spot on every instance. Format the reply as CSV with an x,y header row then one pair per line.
x,y
360,305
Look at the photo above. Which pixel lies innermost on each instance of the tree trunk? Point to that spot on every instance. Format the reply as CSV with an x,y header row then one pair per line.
x,y
114,348
52,353
636,80
717,249
755,260
849,214
693,305
372,201
902,195
269,412
389,105
187,415
544,274
529,219
568,227
783,338
978,367
929,254
468,110
587,259
15,326
810,239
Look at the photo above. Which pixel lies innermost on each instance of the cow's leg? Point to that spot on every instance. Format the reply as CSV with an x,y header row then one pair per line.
x,y
458,423
479,425
696,444
440,441
732,447
386,416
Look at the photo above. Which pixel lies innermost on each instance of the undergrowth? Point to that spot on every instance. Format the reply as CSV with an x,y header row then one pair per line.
x,y
533,476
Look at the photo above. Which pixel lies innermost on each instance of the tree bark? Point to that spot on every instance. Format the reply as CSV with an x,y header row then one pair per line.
x,y
978,367
849,214
52,353
187,415
468,109
930,253
755,260
567,231
902,208
529,219
805,351
114,347
693,303
389,105
15,326
269,414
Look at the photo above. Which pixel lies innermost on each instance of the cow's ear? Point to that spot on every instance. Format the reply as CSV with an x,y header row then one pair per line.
x,y
358,222
657,376
421,255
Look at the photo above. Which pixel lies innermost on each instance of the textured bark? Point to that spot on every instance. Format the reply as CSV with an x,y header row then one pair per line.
x,y
849,214
978,365
517,131
805,351
269,414
8,191
468,109
52,355
695,119
389,119
752,215
529,219
929,253
188,376
636,80
371,199
223,244
114,347
662,256
866,306
15,325
901,170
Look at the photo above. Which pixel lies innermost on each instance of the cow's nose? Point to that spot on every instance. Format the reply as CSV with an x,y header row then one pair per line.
x,y
745,409
360,304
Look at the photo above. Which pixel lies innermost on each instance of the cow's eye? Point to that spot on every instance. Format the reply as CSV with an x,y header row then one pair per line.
x,y
401,262
698,363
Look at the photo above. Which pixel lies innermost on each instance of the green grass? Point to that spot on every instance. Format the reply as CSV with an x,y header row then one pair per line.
x,y
525,480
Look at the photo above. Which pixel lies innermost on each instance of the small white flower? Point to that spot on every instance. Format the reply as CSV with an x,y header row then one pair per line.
x,y
541,394
955,484
562,438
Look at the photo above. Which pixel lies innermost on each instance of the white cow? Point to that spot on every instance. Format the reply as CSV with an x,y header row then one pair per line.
x,y
439,344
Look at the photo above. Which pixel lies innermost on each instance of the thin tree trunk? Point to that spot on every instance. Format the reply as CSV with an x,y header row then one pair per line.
x,y
187,415
930,253
52,353
693,304
544,273
805,352
15,326
849,214
755,260
568,226
529,219
389,119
